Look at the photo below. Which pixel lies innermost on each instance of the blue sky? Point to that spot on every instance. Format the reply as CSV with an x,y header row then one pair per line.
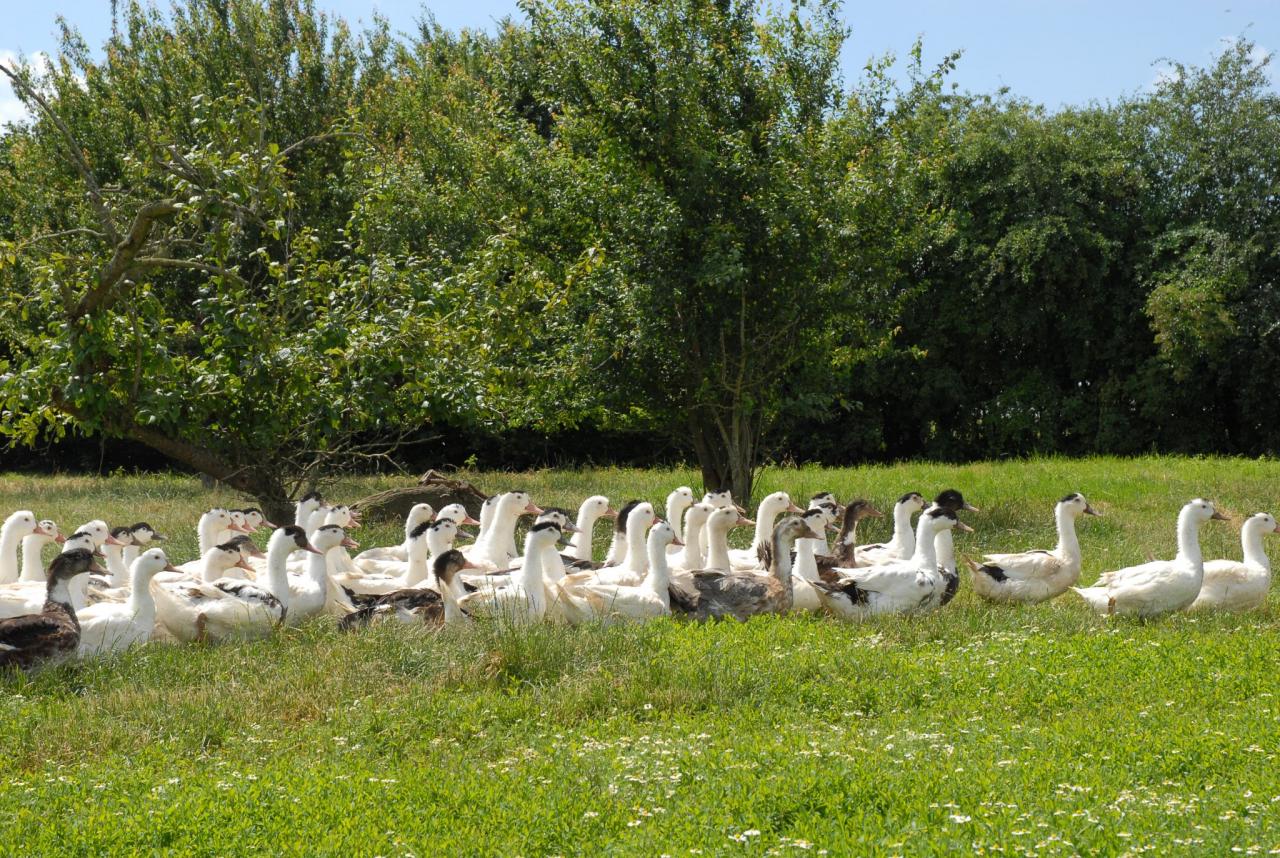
x,y
1054,52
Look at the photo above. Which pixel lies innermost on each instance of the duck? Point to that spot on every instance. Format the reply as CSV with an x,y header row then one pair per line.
x,y
618,545
716,531
33,568
419,514
315,591
845,550
1240,586
635,564
903,543
903,587
417,606
944,550
691,555
707,593
651,598
25,597
113,626
590,511
1036,576
215,607
805,569
1160,586
52,633
827,501
213,522
495,550
767,512
718,499
680,499
523,600
255,519
305,507
141,535
437,537
16,527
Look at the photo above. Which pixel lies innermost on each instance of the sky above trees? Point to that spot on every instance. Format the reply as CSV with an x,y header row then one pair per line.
x,y
1054,52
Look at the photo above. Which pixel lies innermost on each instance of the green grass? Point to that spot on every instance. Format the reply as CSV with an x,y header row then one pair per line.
x,y
1019,730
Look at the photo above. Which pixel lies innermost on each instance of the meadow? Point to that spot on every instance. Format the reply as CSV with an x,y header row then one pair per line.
x,y
1011,730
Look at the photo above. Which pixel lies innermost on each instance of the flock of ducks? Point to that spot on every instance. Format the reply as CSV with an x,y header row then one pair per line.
x,y
678,565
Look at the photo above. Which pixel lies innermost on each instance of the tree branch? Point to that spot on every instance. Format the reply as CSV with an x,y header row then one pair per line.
x,y
73,147
313,140
189,264
123,258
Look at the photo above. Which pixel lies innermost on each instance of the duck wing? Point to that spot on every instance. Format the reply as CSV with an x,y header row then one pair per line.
x,y
36,634
1026,565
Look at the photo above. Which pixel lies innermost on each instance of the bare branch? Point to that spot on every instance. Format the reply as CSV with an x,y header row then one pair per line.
x,y
189,264
74,150
314,139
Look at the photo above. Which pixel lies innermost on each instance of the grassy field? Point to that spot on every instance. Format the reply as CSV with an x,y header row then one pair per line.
x,y
993,729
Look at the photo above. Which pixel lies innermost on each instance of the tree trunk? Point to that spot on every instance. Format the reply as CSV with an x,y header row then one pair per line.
x,y
724,465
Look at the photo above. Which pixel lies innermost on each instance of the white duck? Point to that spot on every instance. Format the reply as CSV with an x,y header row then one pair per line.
x,y
805,571
1160,586
1036,576
419,514
211,525
1240,586
525,598
903,543
16,527
496,548
651,598
618,545
677,502
216,608
692,555
635,564
716,532
27,597
772,506
314,592
904,587
142,535
436,537
113,626
721,499
33,568
592,510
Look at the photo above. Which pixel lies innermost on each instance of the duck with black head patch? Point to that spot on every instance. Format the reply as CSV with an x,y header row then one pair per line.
x,y
417,606
52,634
903,543
905,587
1035,576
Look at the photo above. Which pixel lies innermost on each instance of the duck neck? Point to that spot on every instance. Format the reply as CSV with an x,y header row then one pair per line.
x,y
676,506
318,568
208,568
9,540
531,578
944,549
1251,542
765,515
32,559
141,604
925,556
617,549
806,563
452,613
1189,540
420,569
1068,544
130,553
580,545
636,560
717,549
659,578
115,565
206,533
277,578
59,592
693,546
904,541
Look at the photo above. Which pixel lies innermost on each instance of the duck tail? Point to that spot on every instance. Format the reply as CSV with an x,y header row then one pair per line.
x,y
1096,597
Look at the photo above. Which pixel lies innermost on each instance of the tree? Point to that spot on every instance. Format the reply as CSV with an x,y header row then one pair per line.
x,y
177,268
695,133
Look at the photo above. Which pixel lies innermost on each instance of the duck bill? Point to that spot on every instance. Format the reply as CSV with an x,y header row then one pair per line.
x,y
1219,516
743,521
266,523
469,565
741,510
169,567
1088,510
159,537
95,569
312,549
243,563
792,508
813,534
971,508
469,520
964,528
531,509
59,539
609,513
570,528
40,531
677,541
348,542
111,540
